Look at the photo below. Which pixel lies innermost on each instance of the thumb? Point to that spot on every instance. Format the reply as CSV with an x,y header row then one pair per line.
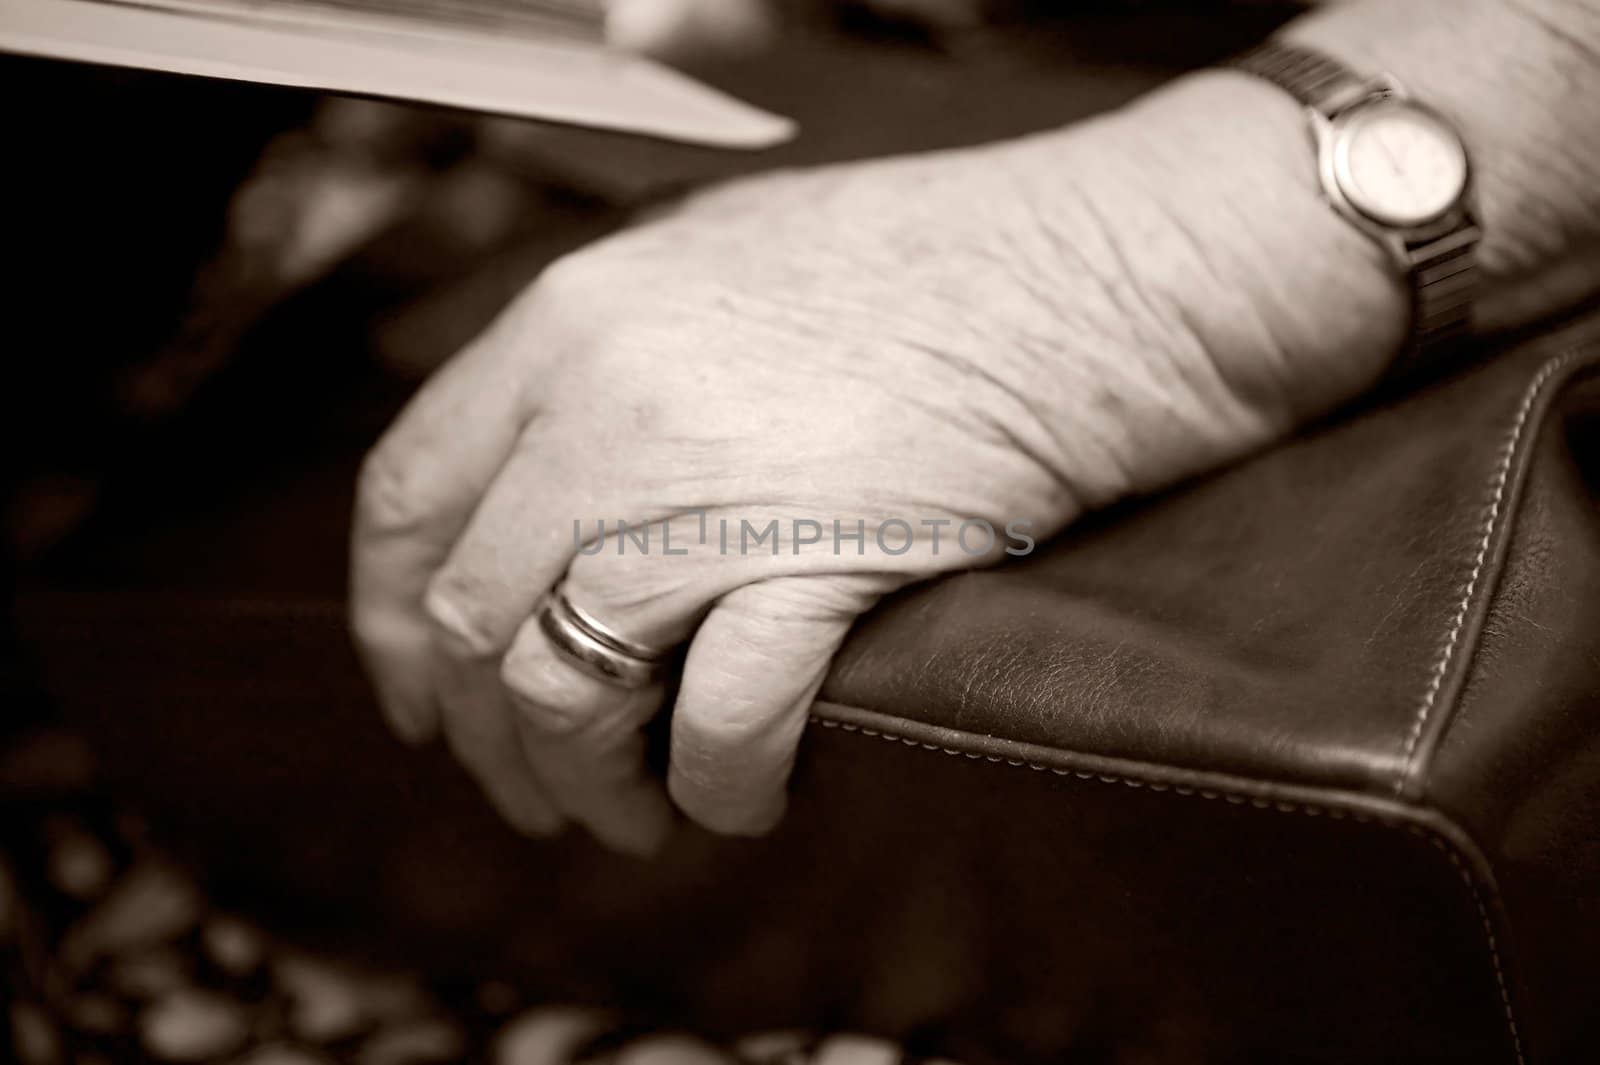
x,y
753,669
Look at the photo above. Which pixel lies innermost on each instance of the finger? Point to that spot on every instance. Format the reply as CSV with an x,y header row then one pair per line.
x,y
582,736
481,731
520,537
416,492
604,786
579,735
753,669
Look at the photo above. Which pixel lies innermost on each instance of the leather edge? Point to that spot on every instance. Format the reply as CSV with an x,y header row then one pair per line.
x,y
1423,822
1458,645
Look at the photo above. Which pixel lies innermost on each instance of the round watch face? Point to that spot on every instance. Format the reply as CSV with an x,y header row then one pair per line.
x,y
1398,163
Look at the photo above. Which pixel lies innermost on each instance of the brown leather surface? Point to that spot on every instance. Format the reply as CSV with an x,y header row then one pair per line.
x,y
1519,758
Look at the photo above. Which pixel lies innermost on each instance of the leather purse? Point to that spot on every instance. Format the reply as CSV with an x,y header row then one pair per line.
x,y
1296,763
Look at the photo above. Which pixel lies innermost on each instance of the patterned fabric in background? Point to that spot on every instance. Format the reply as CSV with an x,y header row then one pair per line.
x,y
112,953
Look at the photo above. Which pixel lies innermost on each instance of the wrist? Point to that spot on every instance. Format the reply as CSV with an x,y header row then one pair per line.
x,y
1218,301
1510,77
1296,302
1205,197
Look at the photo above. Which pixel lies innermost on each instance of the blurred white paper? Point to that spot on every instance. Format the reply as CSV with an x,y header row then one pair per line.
x,y
529,58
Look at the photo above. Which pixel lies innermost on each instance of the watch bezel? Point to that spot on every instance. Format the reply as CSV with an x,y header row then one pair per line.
x,y
1346,126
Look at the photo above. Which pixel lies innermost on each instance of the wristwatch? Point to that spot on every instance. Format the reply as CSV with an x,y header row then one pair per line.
x,y
1398,170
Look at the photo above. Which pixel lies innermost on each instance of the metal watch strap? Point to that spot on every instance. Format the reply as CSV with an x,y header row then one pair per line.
x,y
1319,82
1442,271
1444,280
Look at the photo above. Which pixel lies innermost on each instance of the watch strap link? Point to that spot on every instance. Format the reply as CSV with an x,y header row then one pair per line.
x,y
1314,79
1444,282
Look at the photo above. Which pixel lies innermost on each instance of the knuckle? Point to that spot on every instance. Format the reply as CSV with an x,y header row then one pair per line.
x,y
465,629
567,273
620,580
723,721
389,494
569,292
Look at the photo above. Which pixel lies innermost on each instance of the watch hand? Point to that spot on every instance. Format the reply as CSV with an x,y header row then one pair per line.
x,y
1389,156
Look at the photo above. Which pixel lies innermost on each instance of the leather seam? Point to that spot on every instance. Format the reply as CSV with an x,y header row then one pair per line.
x,y
1494,520
1213,793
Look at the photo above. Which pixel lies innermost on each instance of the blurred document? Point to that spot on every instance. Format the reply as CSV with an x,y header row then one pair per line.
x,y
539,59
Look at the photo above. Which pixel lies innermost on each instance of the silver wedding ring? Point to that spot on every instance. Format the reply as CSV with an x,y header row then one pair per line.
x,y
596,648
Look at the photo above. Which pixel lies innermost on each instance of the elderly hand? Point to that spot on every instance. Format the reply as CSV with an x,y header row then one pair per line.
x,y
998,337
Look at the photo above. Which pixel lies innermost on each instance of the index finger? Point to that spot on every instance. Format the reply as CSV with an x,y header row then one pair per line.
x,y
417,490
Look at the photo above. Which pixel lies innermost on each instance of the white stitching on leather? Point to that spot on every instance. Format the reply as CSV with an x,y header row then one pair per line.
x,y
1491,522
1308,809
1488,933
